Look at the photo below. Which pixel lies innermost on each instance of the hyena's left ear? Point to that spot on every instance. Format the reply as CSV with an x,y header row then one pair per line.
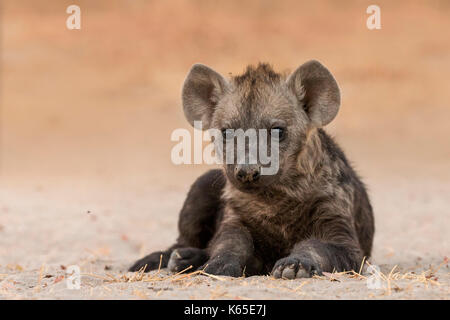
x,y
317,91
202,90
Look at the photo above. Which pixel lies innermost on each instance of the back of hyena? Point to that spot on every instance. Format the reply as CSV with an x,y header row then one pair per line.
x,y
313,215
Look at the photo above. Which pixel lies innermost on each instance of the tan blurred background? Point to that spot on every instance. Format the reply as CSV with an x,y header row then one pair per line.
x,y
91,110
101,102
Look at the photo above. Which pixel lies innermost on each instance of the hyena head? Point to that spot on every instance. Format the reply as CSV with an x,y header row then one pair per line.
x,y
286,108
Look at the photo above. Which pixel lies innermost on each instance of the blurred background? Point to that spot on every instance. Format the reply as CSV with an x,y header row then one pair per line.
x,y
86,115
101,102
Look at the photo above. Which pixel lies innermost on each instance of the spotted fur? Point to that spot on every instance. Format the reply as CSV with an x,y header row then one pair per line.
x,y
314,215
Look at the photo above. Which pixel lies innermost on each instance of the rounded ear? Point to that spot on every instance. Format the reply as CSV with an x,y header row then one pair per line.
x,y
318,91
202,90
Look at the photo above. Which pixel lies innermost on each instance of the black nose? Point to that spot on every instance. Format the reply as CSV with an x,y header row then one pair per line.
x,y
247,173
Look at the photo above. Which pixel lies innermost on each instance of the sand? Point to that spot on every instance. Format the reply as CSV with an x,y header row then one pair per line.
x,y
104,232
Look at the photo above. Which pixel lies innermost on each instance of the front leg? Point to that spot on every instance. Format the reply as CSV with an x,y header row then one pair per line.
x,y
230,249
312,257
333,245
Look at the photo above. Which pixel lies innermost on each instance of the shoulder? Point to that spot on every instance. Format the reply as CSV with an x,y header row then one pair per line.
x,y
331,147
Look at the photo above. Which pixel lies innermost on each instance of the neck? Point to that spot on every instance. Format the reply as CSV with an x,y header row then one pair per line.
x,y
309,170
310,159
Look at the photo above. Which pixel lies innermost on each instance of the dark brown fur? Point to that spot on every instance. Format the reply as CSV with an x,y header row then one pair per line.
x,y
312,216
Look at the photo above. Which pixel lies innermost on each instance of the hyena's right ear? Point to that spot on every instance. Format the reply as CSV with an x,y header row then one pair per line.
x,y
202,90
317,90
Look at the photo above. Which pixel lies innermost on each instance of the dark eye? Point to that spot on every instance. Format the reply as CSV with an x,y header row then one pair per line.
x,y
227,134
280,131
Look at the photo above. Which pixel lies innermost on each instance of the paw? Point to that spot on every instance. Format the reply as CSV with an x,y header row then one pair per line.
x,y
182,258
224,266
296,266
150,262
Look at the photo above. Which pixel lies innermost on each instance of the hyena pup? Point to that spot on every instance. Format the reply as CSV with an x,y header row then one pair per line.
x,y
313,215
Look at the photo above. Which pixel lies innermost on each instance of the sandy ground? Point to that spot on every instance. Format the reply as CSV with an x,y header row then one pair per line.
x,y
86,118
103,232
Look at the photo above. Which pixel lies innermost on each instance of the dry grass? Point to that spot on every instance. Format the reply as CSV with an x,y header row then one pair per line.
x,y
152,277
394,281
389,282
